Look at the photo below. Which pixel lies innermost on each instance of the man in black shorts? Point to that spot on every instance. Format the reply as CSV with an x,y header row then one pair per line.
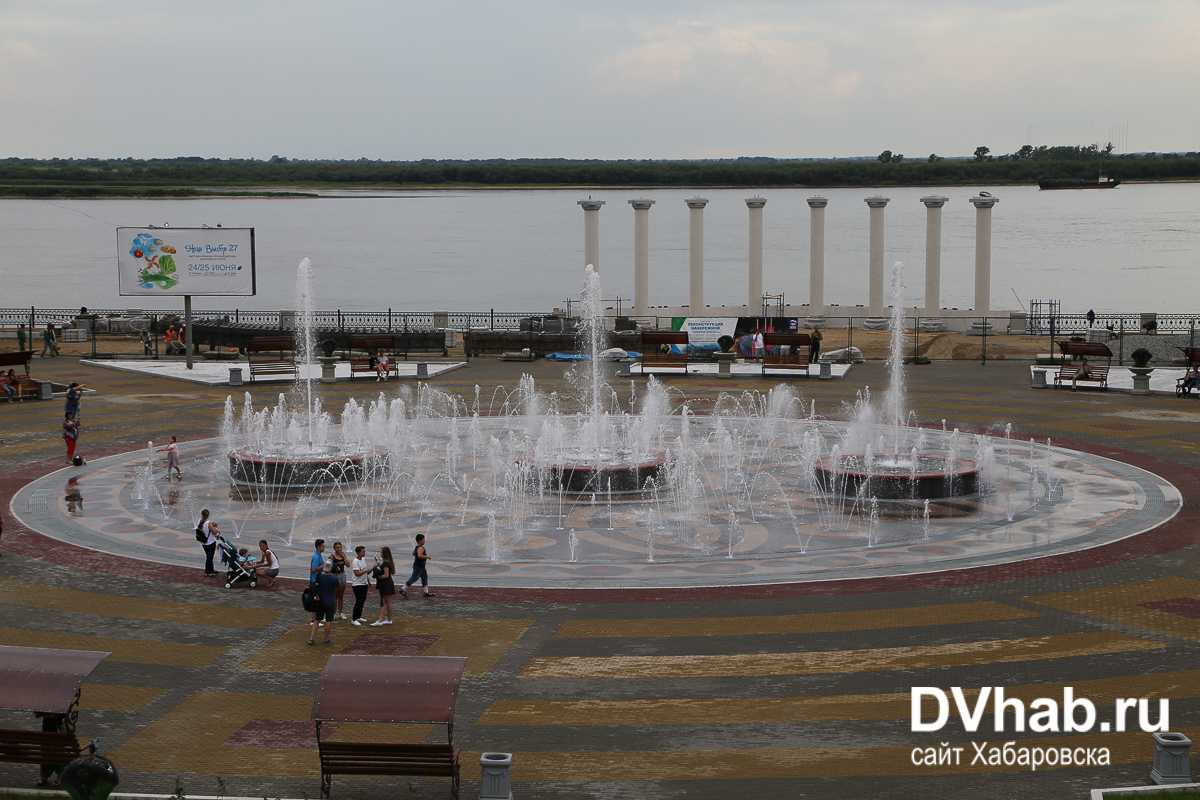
x,y
420,559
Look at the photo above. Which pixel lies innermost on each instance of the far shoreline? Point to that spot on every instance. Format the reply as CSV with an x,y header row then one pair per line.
x,y
297,191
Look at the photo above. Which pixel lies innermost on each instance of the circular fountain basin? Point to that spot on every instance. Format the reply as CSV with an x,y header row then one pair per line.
x,y
616,477
896,479
300,469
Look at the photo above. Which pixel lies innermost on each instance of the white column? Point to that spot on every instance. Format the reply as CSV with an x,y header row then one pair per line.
x,y
641,255
875,312
696,254
933,263
983,258
591,232
816,261
755,293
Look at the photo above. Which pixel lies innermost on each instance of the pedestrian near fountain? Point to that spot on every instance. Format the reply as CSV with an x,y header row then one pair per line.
x,y
420,561
316,564
384,574
268,564
326,585
70,435
340,563
207,531
21,337
814,344
360,583
172,459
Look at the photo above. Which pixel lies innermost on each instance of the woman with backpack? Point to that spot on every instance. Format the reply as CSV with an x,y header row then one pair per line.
x,y
384,575
207,534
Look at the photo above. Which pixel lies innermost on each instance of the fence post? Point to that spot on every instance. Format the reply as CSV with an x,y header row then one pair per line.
x,y
916,337
492,324
93,335
389,320
850,341
154,324
1121,345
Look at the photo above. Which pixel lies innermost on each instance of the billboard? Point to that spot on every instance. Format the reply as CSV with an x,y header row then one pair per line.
x,y
166,262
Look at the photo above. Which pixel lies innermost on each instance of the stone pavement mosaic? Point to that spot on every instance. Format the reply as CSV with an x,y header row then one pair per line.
x,y
775,690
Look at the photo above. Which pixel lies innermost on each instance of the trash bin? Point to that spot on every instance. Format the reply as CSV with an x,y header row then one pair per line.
x,y
235,376
826,370
1171,759
45,390
1039,378
422,369
496,779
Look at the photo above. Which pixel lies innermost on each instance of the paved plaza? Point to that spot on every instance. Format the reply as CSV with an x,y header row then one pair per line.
x,y
766,688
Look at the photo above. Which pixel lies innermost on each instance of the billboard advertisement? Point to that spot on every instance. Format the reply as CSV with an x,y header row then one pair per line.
x,y
165,262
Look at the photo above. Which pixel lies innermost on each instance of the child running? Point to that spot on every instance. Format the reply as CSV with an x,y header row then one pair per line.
x,y
172,459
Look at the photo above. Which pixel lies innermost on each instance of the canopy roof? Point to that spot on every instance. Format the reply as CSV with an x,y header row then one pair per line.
x,y
39,679
1085,349
388,689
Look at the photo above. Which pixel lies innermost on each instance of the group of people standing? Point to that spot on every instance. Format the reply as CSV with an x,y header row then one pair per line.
x,y
330,576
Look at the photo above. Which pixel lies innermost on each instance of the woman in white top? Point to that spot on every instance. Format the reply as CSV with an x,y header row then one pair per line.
x,y
360,582
268,564
210,532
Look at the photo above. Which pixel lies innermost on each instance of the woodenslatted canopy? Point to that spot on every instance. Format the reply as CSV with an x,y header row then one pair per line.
x,y
366,688
43,680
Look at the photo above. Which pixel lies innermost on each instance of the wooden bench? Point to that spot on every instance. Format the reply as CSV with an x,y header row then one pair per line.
x,y
356,758
652,349
797,358
38,747
270,366
1066,373
20,358
371,343
26,386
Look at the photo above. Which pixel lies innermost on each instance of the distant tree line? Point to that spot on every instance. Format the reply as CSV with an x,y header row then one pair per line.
x,y
1028,165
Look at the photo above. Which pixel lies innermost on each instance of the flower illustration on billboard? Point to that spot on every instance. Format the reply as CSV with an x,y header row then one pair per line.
x,y
160,262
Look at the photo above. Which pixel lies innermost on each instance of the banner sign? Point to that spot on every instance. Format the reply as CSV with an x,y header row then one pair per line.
x,y
703,332
162,262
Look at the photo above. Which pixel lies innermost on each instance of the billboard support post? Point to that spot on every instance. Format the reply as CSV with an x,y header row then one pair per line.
x,y
187,328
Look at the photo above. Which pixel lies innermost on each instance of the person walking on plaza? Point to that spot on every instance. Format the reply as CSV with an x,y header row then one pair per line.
x,y
316,564
420,560
207,533
360,583
70,435
814,344
49,341
385,581
172,459
326,585
21,337
147,349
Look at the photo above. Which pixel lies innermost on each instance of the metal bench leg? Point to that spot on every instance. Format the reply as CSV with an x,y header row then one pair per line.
x,y
326,783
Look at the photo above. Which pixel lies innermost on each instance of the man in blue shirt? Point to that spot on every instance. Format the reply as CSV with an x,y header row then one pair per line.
x,y
318,559
327,585
315,569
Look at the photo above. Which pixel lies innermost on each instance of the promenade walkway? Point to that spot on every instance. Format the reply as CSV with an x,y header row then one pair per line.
x,y
756,691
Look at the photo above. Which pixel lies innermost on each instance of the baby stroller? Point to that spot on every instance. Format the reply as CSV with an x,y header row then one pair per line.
x,y
236,569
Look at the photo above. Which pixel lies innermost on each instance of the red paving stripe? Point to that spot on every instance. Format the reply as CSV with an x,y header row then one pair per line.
x,y
1181,531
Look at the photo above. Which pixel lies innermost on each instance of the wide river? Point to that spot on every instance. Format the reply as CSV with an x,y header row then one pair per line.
x,y
1128,249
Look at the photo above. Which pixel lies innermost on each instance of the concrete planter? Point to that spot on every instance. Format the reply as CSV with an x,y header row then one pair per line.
x,y
723,361
1171,759
328,364
495,781
1141,380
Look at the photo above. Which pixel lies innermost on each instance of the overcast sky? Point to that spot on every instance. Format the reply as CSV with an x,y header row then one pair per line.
x,y
602,79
